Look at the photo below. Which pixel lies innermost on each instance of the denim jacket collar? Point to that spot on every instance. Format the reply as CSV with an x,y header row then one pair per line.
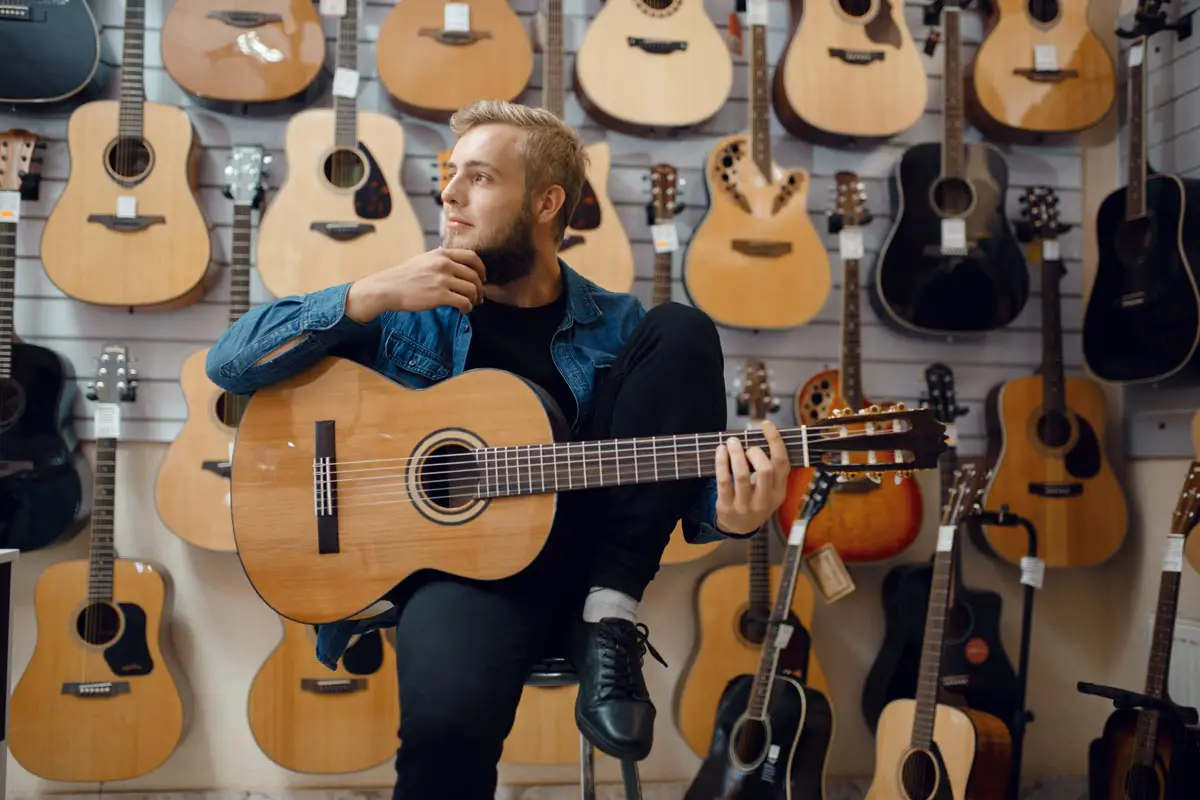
x,y
581,306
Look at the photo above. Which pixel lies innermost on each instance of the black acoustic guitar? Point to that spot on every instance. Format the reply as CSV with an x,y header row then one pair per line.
x,y
975,665
52,52
772,733
42,474
1142,320
951,265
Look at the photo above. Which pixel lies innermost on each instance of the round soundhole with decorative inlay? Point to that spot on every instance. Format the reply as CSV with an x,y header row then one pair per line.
x,y
451,474
919,777
98,624
748,743
659,8
345,168
129,159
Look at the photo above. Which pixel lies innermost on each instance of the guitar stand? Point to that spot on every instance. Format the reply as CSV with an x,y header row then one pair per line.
x,y
932,17
1149,24
1122,699
1022,716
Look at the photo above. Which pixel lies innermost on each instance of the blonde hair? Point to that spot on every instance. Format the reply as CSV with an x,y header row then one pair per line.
x,y
551,151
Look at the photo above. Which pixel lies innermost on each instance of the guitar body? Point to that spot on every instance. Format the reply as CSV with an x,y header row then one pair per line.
x,y
973,754
864,521
295,259
260,51
595,244
801,729
917,290
307,718
544,730
1008,98
607,65
61,735
1054,474
845,76
41,474
1151,261
165,265
191,493
755,260
53,53
1112,771
724,649
431,79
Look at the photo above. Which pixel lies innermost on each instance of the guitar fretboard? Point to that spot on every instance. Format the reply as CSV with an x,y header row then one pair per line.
x,y
100,557
850,373
1054,397
760,102
662,279
953,149
929,676
760,572
132,61
345,109
239,276
553,90
1135,191
8,288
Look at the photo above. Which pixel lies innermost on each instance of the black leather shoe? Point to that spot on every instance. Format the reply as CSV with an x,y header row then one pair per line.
x,y
613,708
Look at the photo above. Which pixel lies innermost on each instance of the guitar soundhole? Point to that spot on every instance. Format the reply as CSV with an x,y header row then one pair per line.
x,y
1141,783
449,477
98,624
855,8
1044,11
344,168
12,403
659,8
919,775
748,743
129,159
953,197
752,625
231,407
1054,429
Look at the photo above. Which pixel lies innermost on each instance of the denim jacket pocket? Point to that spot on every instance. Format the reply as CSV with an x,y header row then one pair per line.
x,y
412,363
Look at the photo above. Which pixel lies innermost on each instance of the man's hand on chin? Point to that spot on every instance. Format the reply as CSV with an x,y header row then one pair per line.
x,y
742,506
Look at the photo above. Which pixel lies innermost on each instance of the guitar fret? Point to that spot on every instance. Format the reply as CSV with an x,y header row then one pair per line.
x,y
132,83
8,284
345,109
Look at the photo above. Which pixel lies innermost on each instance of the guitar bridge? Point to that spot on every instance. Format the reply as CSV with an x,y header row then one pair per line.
x,y
1046,76
332,685
244,19
343,231
96,688
127,224
657,47
860,57
443,36
325,488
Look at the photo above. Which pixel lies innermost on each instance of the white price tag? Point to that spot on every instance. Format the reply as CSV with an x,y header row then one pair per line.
x,y
1033,571
10,206
1173,556
108,421
666,237
126,206
756,12
345,83
783,636
1045,58
954,234
1136,54
798,532
850,243
945,542
456,17
951,434
1051,250
333,8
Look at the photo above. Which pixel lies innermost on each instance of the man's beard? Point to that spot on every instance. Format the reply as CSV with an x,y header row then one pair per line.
x,y
512,257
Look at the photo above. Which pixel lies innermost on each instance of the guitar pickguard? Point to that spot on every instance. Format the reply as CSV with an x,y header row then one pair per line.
x,y
130,655
587,213
882,29
372,200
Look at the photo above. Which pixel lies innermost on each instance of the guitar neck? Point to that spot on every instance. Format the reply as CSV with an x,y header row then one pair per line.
x,y
953,149
1054,398
760,572
133,58
239,277
768,660
553,90
102,552
662,279
850,374
929,676
760,103
345,109
1135,192
8,284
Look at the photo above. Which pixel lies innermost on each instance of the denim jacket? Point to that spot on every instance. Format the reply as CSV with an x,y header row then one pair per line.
x,y
417,350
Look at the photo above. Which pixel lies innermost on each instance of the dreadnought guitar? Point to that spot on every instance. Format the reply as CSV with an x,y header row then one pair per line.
x,y
98,702
192,486
850,71
1046,438
742,593
924,748
341,213
951,264
53,53
308,719
434,57
1141,323
773,729
1040,71
657,46
42,473
1151,754
866,520
129,229
756,261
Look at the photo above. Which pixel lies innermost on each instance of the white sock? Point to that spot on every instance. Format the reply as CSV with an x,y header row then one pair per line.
x,y
601,603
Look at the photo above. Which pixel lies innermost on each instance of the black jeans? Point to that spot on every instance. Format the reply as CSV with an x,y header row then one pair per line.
x,y
465,648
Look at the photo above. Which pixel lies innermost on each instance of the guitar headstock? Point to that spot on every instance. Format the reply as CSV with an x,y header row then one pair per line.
x,y
20,167
896,440
115,380
940,394
754,397
1184,518
816,495
850,200
1039,208
665,184
962,501
245,174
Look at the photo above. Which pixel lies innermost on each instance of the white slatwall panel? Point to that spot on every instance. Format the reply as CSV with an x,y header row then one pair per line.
x,y
893,364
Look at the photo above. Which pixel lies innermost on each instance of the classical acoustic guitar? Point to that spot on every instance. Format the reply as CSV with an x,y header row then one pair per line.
x,y
659,46
756,261
128,229
249,51
308,719
53,53
192,485
1041,71
865,520
98,701
339,466
850,71
341,213
1046,437
434,58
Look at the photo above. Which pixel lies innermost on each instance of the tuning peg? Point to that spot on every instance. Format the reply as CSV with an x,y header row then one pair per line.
x,y
267,160
682,182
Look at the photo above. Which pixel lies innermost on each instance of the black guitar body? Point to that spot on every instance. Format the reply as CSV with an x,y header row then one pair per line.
x,y
974,662
1142,321
1174,775
53,54
918,290
42,476
788,766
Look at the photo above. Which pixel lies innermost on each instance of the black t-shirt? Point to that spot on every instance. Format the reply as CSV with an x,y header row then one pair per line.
x,y
517,340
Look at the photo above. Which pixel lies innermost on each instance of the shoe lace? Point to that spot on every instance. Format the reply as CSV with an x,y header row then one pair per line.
x,y
623,648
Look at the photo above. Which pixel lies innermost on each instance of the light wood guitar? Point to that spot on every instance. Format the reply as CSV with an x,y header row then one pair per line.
x,y
1046,439
128,229
341,213
657,46
308,719
865,520
850,71
192,486
434,58
924,748
98,701
756,261
1041,71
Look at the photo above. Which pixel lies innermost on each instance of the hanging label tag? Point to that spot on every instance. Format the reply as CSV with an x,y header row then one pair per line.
x,y
666,237
1173,555
951,434
1136,54
798,532
108,421
756,12
783,636
945,540
850,243
829,573
10,206
126,206
1045,58
954,234
345,83
1033,571
1051,250
456,17
333,8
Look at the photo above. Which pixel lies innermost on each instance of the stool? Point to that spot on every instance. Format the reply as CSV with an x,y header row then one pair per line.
x,y
561,672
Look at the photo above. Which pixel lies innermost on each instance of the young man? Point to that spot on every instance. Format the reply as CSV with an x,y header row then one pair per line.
x,y
496,295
